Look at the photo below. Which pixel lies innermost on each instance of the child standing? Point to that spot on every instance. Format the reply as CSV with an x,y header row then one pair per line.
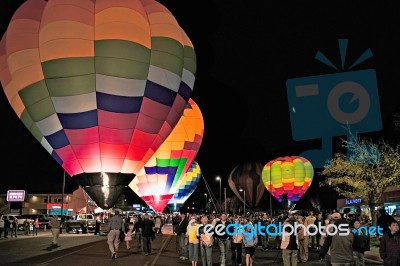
x,y
128,236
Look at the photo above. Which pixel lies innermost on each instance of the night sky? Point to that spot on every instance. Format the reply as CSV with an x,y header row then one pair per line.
x,y
246,51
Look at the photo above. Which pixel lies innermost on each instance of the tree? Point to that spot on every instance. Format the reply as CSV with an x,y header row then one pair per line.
x,y
367,170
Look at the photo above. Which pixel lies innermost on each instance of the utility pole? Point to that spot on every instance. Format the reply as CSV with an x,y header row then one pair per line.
x,y
225,199
62,200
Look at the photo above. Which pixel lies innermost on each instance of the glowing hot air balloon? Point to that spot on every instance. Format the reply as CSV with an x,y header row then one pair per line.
x,y
290,175
100,84
247,176
158,180
187,184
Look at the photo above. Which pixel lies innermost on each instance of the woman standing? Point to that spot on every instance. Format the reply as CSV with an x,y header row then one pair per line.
x,y
36,225
250,241
193,241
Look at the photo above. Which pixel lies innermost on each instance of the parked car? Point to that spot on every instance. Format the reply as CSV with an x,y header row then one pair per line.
x,y
396,215
20,220
44,220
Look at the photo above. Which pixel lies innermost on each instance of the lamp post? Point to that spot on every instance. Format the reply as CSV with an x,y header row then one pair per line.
x,y
205,207
220,193
244,201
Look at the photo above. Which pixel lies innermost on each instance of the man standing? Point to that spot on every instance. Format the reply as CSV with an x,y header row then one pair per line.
x,y
237,240
148,233
55,229
114,229
312,240
389,248
205,247
181,232
224,242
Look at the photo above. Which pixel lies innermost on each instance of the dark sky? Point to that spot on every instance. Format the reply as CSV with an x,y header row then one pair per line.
x,y
246,50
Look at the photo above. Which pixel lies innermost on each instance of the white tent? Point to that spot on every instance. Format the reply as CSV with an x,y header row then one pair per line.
x,y
98,210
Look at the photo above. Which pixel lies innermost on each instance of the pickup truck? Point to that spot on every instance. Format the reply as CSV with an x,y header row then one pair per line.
x,y
80,223
11,217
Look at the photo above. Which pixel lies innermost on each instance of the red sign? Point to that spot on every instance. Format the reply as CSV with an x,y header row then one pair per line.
x,y
16,195
56,206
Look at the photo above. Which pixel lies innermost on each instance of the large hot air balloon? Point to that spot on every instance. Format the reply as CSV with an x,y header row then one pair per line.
x,y
290,175
158,180
247,176
100,84
187,184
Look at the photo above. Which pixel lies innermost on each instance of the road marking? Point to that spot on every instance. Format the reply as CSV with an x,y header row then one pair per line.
x,y
166,242
65,255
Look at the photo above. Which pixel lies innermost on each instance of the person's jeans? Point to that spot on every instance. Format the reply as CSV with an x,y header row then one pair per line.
x,y
56,234
303,250
236,250
224,247
264,240
206,255
358,258
113,240
183,248
193,252
289,257
146,244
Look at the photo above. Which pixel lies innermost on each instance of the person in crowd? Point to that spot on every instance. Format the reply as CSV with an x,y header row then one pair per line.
x,y
7,225
36,225
340,246
97,225
224,242
250,242
206,242
383,220
26,227
115,226
128,235
158,225
289,244
1,227
181,232
193,241
278,238
147,234
360,244
14,227
236,245
389,248
302,239
137,229
319,221
55,229
312,241
265,221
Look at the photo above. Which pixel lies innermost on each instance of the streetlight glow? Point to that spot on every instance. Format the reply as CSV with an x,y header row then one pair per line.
x,y
218,178
244,200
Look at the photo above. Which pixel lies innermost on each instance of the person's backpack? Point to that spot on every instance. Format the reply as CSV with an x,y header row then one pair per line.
x,y
207,240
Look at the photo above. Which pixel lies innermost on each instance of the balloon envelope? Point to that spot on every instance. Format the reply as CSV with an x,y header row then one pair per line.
x,y
247,176
158,180
100,84
290,175
187,184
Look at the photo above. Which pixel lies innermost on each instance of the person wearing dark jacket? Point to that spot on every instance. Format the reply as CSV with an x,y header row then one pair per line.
x,y
137,228
340,246
224,242
181,233
360,244
389,248
383,220
147,227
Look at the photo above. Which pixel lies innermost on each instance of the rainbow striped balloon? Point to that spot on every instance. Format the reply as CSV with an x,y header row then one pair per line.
x,y
158,180
290,175
100,84
187,184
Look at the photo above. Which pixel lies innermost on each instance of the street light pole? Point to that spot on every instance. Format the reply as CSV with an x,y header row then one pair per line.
x,y
205,206
220,192
244,201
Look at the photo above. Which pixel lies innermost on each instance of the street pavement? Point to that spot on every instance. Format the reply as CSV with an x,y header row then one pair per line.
x,y
89,249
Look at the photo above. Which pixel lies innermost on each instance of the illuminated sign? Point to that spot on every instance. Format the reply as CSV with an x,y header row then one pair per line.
x,y
16,195
353,201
